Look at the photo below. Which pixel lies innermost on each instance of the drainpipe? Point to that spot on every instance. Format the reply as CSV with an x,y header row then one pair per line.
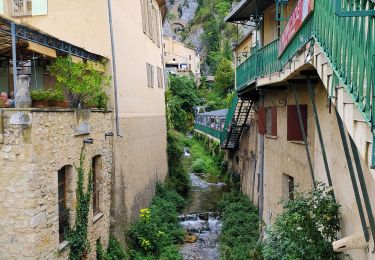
x,y
114,67
14,60
261,165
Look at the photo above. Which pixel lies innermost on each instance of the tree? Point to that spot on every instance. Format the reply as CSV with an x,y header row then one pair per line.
x,y
224,77
181,99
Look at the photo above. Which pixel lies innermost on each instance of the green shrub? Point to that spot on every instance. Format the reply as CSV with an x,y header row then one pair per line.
x,y
306,227
80,80
114,252
158,227
240,229
178,179
199,166
40,95
171,253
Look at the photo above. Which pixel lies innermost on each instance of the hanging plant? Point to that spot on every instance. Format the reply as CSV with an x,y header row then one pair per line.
x,y
77,236
80,80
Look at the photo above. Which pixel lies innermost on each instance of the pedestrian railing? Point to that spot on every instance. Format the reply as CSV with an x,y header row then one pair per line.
x,y
208,130
348,42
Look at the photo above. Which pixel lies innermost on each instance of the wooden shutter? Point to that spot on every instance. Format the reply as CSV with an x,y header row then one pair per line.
x,y
152,76
262,120
39,7
150,27
294,132
143,11
274,121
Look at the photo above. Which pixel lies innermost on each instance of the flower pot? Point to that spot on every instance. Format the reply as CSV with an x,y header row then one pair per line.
x,y
40,104
60,104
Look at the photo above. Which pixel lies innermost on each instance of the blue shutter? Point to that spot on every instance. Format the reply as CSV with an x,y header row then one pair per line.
x,y
39,7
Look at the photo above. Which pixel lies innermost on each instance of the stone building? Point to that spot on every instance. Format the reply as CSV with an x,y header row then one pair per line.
x,y
302,110
125,145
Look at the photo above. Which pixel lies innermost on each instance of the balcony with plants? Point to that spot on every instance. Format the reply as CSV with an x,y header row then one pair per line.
x,y
344,30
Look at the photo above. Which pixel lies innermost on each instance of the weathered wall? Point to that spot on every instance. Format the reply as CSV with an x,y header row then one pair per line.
x,y
140,161
30,156
244,161
282,156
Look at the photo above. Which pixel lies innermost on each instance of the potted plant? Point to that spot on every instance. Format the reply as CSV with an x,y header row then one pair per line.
x,y
57,99
40,98
80,80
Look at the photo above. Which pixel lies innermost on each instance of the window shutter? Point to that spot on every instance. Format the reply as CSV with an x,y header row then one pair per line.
x,y
152,76
274,121
294,132
143,8
262,120
1,6
39,7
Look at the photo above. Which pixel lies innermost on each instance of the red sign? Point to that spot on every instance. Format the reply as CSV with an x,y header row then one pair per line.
x,y
302,11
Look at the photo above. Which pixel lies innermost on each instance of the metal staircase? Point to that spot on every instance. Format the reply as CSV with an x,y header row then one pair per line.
x,y
236,122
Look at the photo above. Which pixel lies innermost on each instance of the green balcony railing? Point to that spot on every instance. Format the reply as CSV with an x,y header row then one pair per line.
x,y
348,42
228,120
208,130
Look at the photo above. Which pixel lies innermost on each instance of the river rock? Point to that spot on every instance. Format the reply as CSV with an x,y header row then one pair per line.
x,y
190,238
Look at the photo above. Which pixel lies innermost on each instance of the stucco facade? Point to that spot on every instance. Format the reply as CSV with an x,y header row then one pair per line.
x,y
181,59
281,158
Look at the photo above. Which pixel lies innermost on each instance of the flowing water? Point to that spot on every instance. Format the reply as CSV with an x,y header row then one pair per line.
x,y
201,219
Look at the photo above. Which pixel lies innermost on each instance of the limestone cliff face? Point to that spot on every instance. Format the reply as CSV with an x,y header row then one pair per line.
x,y
180,14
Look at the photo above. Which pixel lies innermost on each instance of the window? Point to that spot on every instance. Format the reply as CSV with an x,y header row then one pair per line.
x,y
268,121
151,21
150,75
96,170
22,8
288,186
160,77
62,202
294,132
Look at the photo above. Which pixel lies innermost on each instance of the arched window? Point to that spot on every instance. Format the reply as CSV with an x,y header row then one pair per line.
x,y
96,175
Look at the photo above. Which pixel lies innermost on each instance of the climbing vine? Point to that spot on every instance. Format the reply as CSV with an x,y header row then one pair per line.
x,y
77,236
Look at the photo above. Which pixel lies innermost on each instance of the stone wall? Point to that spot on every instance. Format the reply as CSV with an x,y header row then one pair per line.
x,y
35,145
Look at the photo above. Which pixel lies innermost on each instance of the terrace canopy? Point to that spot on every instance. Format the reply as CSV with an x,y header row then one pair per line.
x,y
247,9
32,50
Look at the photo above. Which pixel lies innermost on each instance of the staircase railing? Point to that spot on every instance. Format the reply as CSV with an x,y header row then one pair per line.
x,y
208,130
228,120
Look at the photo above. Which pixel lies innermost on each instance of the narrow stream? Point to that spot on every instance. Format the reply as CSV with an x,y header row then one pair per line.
x,y
201,219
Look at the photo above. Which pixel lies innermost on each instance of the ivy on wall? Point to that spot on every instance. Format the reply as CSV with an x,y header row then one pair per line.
x,y
77,236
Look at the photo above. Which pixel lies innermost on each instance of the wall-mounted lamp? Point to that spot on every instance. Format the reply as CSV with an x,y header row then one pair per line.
x,y
88,141
109,134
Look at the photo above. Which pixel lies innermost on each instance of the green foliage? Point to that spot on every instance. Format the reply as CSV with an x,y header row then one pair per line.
x,y
306,227
158,228
47,95
224,76
240,230
80,80
181,98
171,253
178,178
114,252
99,100
206,155
77,236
